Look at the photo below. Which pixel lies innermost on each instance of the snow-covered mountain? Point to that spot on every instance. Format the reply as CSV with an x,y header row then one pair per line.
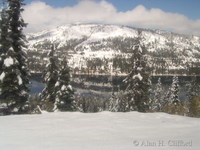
x,y
96,48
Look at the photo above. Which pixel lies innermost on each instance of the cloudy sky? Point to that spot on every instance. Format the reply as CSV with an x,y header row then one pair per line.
x,y
182,16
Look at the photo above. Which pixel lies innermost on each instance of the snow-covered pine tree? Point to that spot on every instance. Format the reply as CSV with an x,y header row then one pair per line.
x,y
113,103
4,46
158,98
65,100
174,97
14,74
4,42
4,37
11,94
16,25
137,79
48,95
150,93
172,102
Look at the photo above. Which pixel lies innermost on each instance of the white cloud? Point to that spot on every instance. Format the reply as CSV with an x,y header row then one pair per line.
x,y
41,16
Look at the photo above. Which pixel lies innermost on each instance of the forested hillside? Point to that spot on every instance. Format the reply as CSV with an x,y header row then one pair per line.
x,y
96,49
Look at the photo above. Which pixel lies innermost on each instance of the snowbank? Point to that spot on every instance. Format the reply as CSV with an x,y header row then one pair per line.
x,y
99,131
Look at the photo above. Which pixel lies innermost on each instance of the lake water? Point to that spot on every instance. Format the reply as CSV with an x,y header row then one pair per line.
x,y
36,87
92,87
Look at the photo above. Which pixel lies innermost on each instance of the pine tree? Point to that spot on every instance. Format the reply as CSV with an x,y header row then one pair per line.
x,y
158,98
4,42
174,97
4,37
173,104
192,104
150,93
18,38
114,103
65,100
14,74
48,95
193,88
137,79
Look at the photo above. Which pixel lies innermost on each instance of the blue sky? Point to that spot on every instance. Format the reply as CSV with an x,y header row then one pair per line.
x,y
182,16
189,8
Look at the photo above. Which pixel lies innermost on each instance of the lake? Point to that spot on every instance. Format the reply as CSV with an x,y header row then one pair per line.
x,y
101,86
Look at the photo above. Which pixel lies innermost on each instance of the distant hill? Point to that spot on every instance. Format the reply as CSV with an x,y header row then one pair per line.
x,y
94,48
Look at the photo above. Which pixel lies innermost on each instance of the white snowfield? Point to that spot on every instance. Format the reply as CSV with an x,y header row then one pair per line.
x,y
99,131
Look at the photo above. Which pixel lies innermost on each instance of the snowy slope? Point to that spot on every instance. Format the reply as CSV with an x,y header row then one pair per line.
x,y
99,131
78,31
83,42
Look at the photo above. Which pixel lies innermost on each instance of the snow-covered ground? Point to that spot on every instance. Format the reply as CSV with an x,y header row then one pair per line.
x,y
99,131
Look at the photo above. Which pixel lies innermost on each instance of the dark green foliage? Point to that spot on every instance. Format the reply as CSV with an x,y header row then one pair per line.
x,y
91,104
34,101
173,104
4,42
4,37
113,103
193,100
14,74
137,80
12,94
120,62
48,95
194,107
58,94
193,88
123,100
18,38
65,94
96,64
175,91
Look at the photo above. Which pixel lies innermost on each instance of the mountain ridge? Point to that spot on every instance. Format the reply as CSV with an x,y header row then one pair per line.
x,y
83,43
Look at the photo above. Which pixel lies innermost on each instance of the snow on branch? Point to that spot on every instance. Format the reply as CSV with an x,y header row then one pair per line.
x,y
138,76
8,62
